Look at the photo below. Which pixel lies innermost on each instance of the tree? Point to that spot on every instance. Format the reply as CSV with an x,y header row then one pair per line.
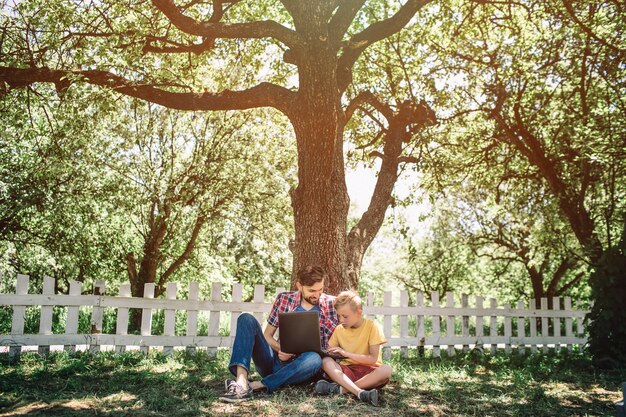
x,y
543,87
187,172
521,229
158,54
52,201
135,192
552,93
181,175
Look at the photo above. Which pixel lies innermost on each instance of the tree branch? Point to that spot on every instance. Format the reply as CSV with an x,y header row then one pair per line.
x,y
564,266
367,97
409,113
353,48
343,17
570,284
530,146
210,29
261,95
191,243
176,47
587,29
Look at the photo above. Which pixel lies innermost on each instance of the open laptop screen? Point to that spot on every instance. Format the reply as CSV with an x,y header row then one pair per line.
x,y
299,332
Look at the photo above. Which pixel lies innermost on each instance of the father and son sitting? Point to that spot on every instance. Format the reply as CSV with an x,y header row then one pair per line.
x,y
343,330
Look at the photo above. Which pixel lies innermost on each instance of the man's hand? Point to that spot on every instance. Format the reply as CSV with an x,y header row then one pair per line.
x,y
284,356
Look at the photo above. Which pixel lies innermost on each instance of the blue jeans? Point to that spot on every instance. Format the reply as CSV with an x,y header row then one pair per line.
x,y
250,344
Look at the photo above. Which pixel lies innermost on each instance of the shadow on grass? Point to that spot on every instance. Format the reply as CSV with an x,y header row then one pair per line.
x,y
103,384
562,384
132,385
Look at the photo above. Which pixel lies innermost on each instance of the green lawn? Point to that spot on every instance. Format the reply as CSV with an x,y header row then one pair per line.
x,y
467,385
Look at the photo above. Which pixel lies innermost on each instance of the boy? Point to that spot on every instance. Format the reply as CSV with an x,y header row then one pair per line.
x,y
357,339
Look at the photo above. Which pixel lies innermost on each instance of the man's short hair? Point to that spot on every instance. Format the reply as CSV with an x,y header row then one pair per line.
x,y
350,298
311,274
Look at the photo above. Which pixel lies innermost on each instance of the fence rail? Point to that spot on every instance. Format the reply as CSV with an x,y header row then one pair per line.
x,y
424,323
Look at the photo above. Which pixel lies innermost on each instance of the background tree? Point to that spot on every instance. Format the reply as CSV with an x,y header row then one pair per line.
x,y
51,199
553,104
508,228
136,192
536,89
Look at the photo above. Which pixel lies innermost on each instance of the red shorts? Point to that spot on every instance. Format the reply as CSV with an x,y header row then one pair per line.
x,y
356,372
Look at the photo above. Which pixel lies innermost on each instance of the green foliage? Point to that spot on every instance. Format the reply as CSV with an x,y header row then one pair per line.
x,y
495,214
607,333
82,174
78,191
52,200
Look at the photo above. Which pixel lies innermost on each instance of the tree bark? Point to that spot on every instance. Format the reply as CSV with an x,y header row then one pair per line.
x,y
320,202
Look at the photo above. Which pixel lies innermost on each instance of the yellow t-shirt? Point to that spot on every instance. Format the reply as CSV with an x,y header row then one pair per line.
x,y
358,340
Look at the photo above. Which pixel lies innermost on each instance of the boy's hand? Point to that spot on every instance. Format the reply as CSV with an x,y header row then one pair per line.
x,y
337,350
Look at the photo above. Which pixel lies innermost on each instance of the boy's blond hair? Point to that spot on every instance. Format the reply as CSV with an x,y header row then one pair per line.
x,y
351,298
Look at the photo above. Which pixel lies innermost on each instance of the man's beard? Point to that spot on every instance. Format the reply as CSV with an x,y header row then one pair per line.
x,y
312,300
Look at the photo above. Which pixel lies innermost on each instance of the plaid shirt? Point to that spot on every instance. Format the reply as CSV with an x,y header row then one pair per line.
x,y
290,300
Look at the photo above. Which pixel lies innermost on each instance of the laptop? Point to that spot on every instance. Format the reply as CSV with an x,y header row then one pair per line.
x,y
300,332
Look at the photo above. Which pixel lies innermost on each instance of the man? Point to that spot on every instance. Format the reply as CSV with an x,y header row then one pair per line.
x,y
276,367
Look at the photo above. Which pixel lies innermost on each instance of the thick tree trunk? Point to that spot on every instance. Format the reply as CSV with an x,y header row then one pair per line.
x,y
320,202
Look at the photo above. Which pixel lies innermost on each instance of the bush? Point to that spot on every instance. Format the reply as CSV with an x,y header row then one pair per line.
x,y
607,332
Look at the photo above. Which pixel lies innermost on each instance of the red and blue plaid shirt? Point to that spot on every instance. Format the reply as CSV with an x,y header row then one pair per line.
x,y
288,301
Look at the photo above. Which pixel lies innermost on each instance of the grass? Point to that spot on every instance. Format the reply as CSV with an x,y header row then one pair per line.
x,y
104,384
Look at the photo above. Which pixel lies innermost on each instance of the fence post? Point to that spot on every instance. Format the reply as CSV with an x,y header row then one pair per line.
x,y
493,326
387,325
259,297
480,323
404,322
568,321
521,330
169,327
237,293
420,332
214,317
96,316
370,303
434,300
192,315
556,306
45,320
121,327
508,330
545,330
533,325
17,322
465,322
580,330
71,326
450,330
146,316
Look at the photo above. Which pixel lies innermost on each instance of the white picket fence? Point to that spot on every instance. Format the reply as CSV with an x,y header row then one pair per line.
x,y
422,324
